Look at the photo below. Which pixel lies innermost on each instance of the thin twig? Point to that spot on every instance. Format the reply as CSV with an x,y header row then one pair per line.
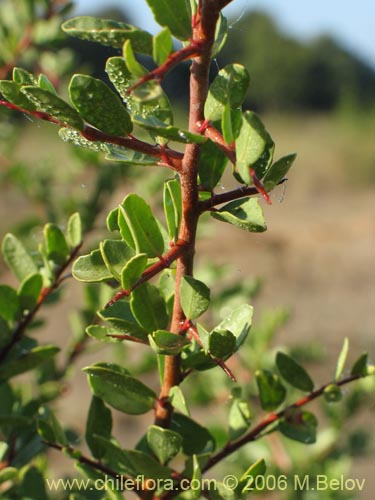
x,y
26,320
191,50
271,418
204,27
234,194
163,263
130,142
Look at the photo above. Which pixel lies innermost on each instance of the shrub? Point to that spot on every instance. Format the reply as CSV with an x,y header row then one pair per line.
x,y
141,292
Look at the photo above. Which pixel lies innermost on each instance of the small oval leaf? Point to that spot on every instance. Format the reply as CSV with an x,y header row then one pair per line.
x,y
99,106
195,297
293,372
119,390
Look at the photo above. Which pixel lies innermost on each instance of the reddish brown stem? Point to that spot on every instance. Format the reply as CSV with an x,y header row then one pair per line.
x,y
92,134
174,157
215,136
131,338
175,58
203,34
164,262
270,419
260,186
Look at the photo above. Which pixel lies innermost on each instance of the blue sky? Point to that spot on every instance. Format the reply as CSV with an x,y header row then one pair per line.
x,y
349,21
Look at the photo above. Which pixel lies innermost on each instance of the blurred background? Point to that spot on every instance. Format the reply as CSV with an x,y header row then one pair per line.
x,y
312,81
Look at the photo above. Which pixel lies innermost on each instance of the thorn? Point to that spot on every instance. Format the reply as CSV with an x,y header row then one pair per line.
x,y
260,186
119,295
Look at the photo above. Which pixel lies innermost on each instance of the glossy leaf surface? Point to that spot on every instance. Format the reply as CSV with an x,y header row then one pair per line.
x,y
120,390
245,213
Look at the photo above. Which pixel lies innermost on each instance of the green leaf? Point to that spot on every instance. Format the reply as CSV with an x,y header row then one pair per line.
x,y
27,362
114,456
174,16
139,228
147,466
91,268
17,258
293,373
112,220
45,84
177,400
74,137
165,444
119,316
133,270
3,450
196,476
56,245
360,367
340,366
238,322
9,303
222,492
74,230
134,67
148,307
173,207
231,122
53,106
115,254
119,390
29,291
49,427
99,106
254,147
149,99
222,344
99,422
249,477
162,46
300,426
271,391
212,163
195,438
8,474
24,77
195,297
164,342
127,156
332,393
33,485
245,213
12,92
161,129
230,86
103,333
221,35
108,32
239,418
278,171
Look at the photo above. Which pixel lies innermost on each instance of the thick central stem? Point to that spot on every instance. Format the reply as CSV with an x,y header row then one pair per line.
x,y
203,36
